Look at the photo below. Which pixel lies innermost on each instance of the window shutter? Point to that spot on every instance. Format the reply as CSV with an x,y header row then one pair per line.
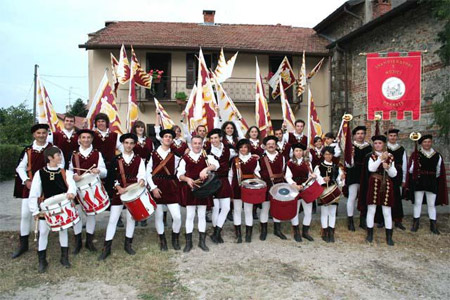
x,y
190,70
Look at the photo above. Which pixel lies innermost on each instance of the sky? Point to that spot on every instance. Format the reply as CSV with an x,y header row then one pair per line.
x,y
48,32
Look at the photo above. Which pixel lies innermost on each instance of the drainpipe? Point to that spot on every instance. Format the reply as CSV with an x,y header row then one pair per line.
x,y
354,15
341,50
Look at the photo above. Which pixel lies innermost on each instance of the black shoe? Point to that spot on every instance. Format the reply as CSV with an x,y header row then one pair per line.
x,y
277,231
188,246
297,236
23,246
248,234
136,223
43,264
263,234
237,230
144,223
163,242
106,251
399,225
305,233
230,216
219,236
380,225
78,244
415,225
350,224
325,235
208,217
213,236
90,242
389,240
433,227
120,222
201,242
331,234
369,237
362,222
127,246
65,257
176,241
255,215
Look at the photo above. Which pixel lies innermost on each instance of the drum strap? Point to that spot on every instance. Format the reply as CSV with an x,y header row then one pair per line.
x,y
122,172
269,169
162,165
29,171
77,162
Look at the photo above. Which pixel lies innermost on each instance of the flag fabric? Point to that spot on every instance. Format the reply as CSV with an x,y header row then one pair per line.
x,y
288,115
224,68
315,69
105,102
189,110
287,76
114,66
316,128
166,120
348,146
47,114
301,80
262,115
132,114
123,67
141,77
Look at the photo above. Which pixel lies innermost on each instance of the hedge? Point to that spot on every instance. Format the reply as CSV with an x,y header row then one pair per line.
x,y
9,155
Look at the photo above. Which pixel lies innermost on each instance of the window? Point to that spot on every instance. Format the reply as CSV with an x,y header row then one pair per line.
x,y
192,66
159,61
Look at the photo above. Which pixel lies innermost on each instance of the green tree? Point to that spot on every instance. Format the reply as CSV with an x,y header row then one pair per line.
x,y
441,11
79,109
15,124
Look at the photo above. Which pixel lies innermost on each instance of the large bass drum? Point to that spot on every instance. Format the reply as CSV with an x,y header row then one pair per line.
x,y
283,201
253,191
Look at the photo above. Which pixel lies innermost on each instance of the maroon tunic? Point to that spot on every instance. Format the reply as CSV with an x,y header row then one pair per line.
x,y
293,139
256,149
277,166
227,143
85,162
222,172
379,192
144,149
299,172
180,149
317,158
247,172
285,150
168,184
193,169
66,144
106,145
131,171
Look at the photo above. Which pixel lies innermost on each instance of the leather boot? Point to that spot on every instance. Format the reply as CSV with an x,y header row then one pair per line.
x,y
277,231
90,242
297,236
331,234
162,242
369,237
65,257
433,227
248,234
237,230
415,225
23,246
78,244
389,240
43,264
399,225
106,251
219,236
263,233
127,246
325,235
305,233
362,222
176,241
350,224
188,246
201,242
213,236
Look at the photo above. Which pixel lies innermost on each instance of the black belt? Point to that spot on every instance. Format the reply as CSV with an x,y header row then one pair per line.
x,y
164,176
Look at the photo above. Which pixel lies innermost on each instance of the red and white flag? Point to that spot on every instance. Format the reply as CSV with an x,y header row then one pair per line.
x,y
316,128
301,80
133,111
123,68
189,110
114,66
224,68
166,120
288,115
287,76
47,114
262,115
316,69
141,77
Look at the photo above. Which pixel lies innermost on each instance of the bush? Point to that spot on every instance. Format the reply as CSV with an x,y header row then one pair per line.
x,y
9,155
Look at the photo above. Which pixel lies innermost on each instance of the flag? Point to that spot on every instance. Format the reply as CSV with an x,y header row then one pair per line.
x,y
132,114
141,77
287,76
288,115
316,69
348,146
227,110
105,102
114,66
224,68
301,81
316,128
262,115
166,120
189,110
204,110
47,114
123,68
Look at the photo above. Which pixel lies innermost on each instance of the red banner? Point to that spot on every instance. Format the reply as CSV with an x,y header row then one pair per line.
x,y
394,84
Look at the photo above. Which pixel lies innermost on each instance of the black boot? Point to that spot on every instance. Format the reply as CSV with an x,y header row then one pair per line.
x,y
237,230
144,223
127,246
305,233
213,236
208,217
325,235
277,231
362,222
415,225
230,216
43,264
201,242
165,218
106,251
263,233
433,227
219,236
162,242
78,244
176,241
369,237
399,225
389,240
297,236
350,224
248,234
90,242
331,234
120,222
65,257
188,246
23,246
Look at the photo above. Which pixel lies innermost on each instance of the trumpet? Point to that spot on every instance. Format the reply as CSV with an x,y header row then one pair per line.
x,y
415,136
377,117
347,117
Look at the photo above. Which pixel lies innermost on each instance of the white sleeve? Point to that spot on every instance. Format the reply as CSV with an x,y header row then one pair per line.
x,y
438,167
404,166
181,170
288,176
286,137
319,178
233,154
72,187
337,150
217,122
392,171
35,193
101,166
71,166
63,161
149,174
119,144
213,161
374,164
141,171
157,131
22,168
230,175
187,134
257,169
50,137
338,179
411,169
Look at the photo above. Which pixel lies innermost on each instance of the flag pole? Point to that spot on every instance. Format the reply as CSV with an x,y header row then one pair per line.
x,y
308,138
35,92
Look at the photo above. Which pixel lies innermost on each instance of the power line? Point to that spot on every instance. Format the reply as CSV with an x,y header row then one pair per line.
x,y
29,90
63,88
62,76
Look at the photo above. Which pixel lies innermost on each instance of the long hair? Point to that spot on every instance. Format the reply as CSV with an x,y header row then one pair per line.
x,y
235,133
247,135
138,124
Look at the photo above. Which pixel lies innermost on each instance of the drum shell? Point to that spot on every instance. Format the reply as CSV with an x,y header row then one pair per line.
x,y
330,195
92,195
59,214
283,210
139,202
311,193
253,196
209,188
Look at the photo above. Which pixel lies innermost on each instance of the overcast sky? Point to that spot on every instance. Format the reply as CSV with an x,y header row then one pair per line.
x,y
47,33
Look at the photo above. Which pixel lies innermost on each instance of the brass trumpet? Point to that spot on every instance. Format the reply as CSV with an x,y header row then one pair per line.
x,y
347,117
377,117
415,136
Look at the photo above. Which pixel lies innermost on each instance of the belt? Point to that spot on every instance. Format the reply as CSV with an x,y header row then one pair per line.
x,y
164,176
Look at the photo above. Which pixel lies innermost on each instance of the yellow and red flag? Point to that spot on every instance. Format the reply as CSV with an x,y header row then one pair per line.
x,y
47,114
314,123
224,68
301,80
114,66
189,110
133,111
262,115
287,76
316,69
288,115
123,68
166,120
141,77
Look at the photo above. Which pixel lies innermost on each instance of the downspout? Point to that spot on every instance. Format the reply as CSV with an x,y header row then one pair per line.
x,y
341,50
354,15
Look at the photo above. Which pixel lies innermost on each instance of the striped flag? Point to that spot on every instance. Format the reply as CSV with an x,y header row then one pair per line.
x,y
224,68
288,115
133,111
189,110
141,77
47,114
114,66
316,69
301,81
287,76
262,115
123,68
166,120
316,128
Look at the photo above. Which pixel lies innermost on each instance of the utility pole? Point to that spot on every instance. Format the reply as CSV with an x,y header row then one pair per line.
x,y
35,92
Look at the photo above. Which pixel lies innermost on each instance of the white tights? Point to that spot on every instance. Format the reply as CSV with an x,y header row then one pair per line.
x,y
90,222
264,215
431,200
220,211
328,215
175,212
352,195
44,230
114,216
190,215
371,210
25,218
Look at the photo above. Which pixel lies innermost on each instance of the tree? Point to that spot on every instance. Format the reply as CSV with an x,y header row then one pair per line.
x,y
441,11
15,124
79,109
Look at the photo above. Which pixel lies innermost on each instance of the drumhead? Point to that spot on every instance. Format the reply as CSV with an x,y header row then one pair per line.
x,y
254,184
87,178
283,192
53,200
133,191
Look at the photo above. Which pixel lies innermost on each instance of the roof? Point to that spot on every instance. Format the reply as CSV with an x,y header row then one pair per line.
x,y
336,14
190,36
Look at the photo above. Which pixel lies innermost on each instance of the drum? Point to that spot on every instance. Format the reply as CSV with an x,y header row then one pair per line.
x,y
138,201
92,194
330,195
311,192
209,187
283,201
253,191
59,212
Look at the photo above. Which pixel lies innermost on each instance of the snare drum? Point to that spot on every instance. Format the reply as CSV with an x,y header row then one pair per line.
x,y
92,194
330,195
253,191
138,201
311,192
283,201
60,213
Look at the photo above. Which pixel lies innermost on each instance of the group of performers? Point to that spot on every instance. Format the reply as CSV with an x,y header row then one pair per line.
x,y
375,181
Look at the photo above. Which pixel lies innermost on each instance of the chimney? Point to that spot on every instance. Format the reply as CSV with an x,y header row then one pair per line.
x,y
380,7
208,16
